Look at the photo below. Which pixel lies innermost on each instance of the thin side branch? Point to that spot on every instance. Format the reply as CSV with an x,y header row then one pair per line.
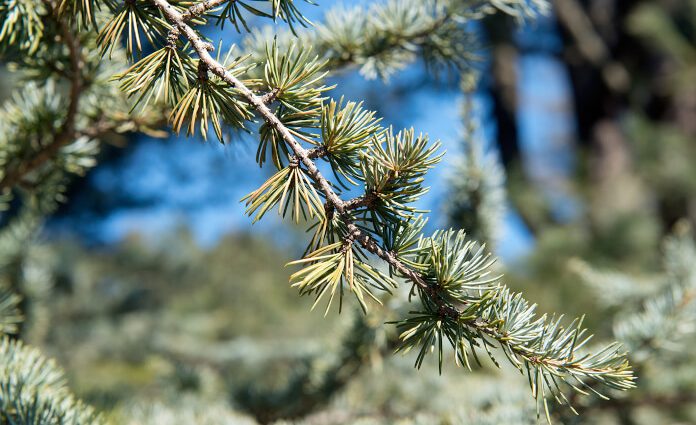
x,y
270,96
200,8
318,152
105,127
366,200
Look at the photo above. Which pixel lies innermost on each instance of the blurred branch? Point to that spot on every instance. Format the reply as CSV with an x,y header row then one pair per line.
x,y
590,45
68,131
315,384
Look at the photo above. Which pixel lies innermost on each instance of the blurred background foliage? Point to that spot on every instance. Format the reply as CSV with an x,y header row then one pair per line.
x,y
163,306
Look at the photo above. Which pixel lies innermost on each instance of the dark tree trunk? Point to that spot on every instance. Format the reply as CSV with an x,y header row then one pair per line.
x,y
502,86
611,72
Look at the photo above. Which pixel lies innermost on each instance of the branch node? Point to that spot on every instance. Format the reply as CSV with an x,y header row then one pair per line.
x,y
318,152
270,96
202,72
368,200
347,243
329,210
173,37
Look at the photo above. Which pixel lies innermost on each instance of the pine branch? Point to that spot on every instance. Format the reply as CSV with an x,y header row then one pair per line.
x,y
333,200
540,353
68,131
461,303
202,49
32,390
10,312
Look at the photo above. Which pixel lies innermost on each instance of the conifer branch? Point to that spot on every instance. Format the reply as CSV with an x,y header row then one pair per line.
x,y
334,201
385,37
461,303
418,38
537,354
32,390
68,130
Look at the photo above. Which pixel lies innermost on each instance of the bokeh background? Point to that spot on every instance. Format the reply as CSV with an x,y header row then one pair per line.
x,y
164,293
